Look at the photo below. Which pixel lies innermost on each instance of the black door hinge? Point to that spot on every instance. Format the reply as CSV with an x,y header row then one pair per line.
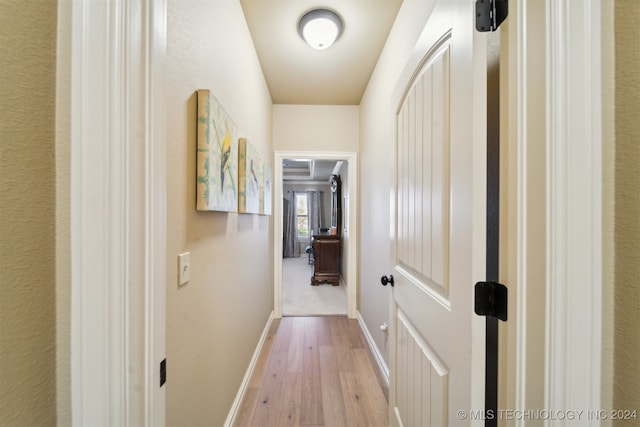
x,y
163,372
491,300
490,14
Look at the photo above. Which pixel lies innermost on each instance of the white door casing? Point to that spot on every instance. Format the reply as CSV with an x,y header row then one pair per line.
x,y
439,213
574,155
118,212
553,356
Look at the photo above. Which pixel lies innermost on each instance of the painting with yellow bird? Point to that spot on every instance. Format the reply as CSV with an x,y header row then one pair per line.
x,y
265,189
217,157
249,176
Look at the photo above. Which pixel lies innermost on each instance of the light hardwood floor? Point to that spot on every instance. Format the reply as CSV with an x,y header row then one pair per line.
x,y
314,371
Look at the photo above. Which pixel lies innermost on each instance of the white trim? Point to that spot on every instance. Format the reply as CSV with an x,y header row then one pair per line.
x,y
574,194
351,279
521,86
155,35
235,407
99,232
277,237
382,366
118,218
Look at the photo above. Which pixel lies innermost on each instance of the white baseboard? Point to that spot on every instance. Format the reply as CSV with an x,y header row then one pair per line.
x,y
382,366
233,412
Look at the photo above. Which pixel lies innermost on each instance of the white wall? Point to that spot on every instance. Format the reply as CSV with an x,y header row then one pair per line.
x,y
315,128
215,321
376,153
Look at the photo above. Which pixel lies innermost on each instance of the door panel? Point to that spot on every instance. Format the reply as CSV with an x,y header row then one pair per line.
x,y
423,190
423,380
439,241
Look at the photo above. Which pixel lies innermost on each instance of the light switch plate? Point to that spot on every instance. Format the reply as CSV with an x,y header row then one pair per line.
x,y
184,268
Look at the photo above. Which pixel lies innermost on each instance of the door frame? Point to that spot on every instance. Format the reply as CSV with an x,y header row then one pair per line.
x,y
574,203
352,274
118,212
555,276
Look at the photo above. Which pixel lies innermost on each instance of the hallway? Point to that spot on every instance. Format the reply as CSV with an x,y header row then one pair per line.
x,y
99,207
314,371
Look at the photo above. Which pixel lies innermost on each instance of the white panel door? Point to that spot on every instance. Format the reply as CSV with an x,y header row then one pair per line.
x,y
437,374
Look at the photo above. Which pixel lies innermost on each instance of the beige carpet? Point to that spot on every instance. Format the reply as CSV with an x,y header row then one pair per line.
x,y
299,298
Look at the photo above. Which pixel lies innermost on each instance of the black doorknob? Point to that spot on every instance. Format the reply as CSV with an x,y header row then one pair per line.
x,y
384,280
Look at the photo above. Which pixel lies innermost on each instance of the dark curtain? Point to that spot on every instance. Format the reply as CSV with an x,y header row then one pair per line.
x,y
290,245
314,210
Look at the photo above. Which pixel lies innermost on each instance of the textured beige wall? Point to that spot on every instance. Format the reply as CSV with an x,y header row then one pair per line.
x,y
27,213
215,321
63,214
626,394
315,128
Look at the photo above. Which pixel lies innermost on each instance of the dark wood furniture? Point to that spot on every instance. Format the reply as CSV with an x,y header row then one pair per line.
x,y
326,259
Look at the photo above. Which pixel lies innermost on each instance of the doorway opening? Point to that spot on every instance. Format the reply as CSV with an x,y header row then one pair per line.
x,y
309,211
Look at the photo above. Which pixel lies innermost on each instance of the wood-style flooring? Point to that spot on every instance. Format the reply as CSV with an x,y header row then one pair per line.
x,y
314,371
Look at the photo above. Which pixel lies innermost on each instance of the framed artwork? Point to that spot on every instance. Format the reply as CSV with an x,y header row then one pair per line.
x,y
265,190
249,177
217,157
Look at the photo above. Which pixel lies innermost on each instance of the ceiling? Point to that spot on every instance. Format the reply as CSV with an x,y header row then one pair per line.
x,y
298,74
299,170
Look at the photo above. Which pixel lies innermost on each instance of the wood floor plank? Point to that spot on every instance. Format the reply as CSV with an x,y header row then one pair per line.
x,y
288,413
281,343
332,399
323,326
352,393
296,345
342,343
373,397
268,406
311,412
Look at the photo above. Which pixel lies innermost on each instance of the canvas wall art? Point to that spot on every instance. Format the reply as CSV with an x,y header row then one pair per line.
x,y
265,190
249,176
217,157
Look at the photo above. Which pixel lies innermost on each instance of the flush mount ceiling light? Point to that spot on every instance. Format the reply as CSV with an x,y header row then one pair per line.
x,y
320,28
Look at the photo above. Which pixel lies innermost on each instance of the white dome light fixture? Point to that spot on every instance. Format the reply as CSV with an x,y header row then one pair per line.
x,y
320,28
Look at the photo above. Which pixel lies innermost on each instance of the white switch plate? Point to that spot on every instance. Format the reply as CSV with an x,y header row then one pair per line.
x,y
184,268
